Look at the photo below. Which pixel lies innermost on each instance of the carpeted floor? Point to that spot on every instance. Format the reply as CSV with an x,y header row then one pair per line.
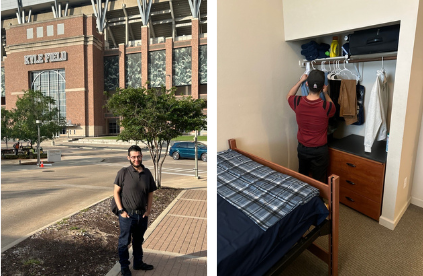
x,y
367,248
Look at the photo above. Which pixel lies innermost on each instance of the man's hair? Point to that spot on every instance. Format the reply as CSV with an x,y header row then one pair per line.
x,y
133,148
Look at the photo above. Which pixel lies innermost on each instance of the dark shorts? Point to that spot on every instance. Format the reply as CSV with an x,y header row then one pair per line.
x,y
314,160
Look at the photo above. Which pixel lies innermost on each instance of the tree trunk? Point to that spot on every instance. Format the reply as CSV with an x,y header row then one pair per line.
x,y
155,153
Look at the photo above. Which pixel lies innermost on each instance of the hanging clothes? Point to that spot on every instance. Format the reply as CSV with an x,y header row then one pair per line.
x,y
376,112
348,101
305,91
334,87
360,104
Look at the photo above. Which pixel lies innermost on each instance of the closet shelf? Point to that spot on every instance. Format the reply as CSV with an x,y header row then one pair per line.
x,y
354,59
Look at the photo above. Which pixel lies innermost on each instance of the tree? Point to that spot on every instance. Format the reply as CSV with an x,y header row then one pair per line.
x,y
32,106
155,116
6,124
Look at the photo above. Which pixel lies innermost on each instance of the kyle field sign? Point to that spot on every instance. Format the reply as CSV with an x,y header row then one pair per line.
x,y
45,58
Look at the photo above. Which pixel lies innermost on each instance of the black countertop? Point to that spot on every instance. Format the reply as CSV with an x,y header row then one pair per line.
x,y
354,144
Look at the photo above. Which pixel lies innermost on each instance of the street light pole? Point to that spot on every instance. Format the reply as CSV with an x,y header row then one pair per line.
x,y
38,122
196,154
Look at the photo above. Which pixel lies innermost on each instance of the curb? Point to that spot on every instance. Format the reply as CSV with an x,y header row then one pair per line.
x,y
116,268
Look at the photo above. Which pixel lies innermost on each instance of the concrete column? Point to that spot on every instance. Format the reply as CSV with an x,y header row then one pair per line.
x,y
194,66
145,42
122,54
169,67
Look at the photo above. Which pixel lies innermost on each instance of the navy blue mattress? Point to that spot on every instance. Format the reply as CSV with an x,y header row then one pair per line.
x,y
243,248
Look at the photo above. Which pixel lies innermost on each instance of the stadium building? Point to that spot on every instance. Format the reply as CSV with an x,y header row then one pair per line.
x,y
75,50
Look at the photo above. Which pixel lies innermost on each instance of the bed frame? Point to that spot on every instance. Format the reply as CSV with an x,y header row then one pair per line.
x,y
329,227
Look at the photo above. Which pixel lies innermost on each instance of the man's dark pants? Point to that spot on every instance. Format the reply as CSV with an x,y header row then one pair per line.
x,y
135,225
314,160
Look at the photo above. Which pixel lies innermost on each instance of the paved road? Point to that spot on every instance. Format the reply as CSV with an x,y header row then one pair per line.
x,y
33,197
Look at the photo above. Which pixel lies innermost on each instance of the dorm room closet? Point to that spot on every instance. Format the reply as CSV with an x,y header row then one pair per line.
x,y
362,173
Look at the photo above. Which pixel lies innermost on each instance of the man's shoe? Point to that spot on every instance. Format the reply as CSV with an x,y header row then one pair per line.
x,y
125,271
143,266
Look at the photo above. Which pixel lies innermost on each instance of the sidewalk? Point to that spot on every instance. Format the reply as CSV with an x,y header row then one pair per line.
x,y
176,243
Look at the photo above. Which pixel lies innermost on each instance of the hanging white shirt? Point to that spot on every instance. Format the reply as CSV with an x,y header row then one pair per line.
x,y
376,112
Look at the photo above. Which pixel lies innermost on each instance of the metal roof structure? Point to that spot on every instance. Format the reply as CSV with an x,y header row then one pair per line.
x,y
167,18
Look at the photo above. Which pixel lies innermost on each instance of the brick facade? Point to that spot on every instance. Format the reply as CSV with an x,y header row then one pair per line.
x,y
84,74
84,66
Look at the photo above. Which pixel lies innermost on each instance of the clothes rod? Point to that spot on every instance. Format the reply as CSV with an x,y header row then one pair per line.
x,y
353,59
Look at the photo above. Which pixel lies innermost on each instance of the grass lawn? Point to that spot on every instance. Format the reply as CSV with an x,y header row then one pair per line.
x,y
180,138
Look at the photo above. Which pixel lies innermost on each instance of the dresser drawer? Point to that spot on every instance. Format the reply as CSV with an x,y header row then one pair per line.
x,y
362,176
337,160
356,166
362,187
360,203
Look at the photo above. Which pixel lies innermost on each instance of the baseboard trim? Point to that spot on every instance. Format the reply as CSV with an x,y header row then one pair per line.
x,y
392,224
417,201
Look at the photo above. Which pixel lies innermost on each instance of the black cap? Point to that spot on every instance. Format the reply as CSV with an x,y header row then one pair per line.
x,y
316,80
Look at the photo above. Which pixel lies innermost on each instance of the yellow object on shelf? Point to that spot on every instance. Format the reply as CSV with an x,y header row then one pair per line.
x,y
334,47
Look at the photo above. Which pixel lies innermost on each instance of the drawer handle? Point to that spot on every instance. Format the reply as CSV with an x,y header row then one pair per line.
x,y
350,199
351,165
350,182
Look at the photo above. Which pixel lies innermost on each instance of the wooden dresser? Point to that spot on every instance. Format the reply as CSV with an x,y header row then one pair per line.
x,y
361,174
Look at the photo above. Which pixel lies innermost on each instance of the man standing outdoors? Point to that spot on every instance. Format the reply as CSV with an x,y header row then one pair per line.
x,y
133,193
312,115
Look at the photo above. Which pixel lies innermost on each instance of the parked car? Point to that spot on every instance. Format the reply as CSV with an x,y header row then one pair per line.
x,y
187,150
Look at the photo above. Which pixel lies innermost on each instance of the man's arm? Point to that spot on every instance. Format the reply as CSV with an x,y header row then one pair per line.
x,y
116,195
294,89
325,92
149,204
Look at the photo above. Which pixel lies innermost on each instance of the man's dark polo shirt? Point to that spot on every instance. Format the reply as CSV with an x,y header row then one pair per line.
x,y
135,187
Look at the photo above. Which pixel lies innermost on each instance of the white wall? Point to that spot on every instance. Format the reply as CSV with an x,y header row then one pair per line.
x,y
417,189
417,81
255,70
407,96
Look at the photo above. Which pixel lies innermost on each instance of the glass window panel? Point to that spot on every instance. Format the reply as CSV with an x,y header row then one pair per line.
x,y
202,59
133,70
181,65
157,68
3,90
51,83
111,73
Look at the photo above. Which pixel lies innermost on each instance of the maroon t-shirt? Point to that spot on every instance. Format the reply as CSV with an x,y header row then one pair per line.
x,y
312,119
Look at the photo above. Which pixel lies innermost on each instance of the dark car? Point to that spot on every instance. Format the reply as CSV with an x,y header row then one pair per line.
x,y
187,150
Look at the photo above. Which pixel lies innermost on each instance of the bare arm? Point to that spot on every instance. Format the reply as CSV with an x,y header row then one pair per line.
x,y
325,92
116,195
294,89
149,204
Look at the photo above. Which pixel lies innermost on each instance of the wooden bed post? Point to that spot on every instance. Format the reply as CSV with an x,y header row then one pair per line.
x,y
333,182
232,144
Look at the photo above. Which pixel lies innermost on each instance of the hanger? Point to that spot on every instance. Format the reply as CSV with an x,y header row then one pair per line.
x,y
323,66
312,64
346,70
337,70
330,71
382,72
359,77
